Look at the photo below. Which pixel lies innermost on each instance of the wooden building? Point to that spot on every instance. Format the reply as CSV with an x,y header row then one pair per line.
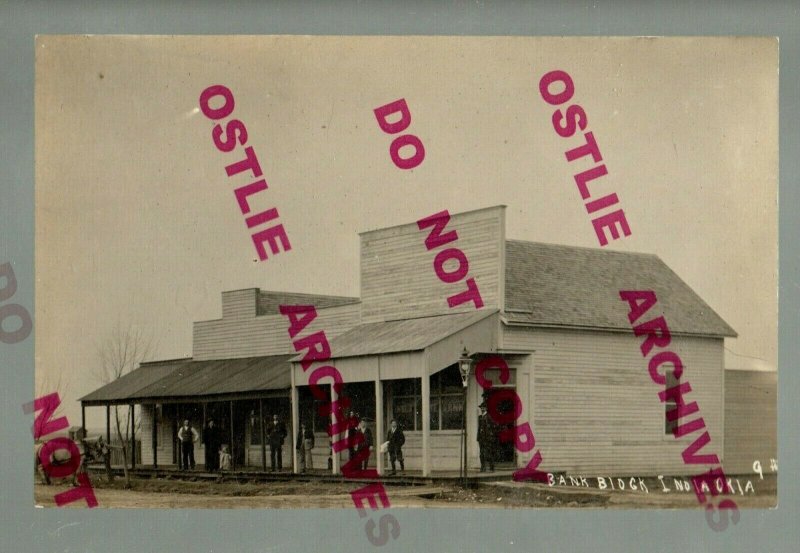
x,y
552,312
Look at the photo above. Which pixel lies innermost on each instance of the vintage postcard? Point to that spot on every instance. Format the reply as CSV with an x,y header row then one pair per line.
x,y
380,272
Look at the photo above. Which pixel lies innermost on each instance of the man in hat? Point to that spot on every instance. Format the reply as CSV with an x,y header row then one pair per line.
x,y
366,443
487,438
396,439
211,445
187,436
352,430
305,443
277,433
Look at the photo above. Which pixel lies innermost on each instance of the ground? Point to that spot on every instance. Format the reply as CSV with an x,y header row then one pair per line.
x,y
156,493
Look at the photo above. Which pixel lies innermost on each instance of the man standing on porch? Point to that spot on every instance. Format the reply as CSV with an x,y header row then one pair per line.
x,y
277,433
211,445
365,444
396,439
305,443
487,436
187,436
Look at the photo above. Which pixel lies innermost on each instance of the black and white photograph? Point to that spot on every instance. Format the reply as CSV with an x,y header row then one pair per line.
x,y
379,273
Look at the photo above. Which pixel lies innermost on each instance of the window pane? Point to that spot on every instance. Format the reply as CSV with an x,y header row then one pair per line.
x,y
434,413
451,379
255,427
669,425
452,412
405,387
405,412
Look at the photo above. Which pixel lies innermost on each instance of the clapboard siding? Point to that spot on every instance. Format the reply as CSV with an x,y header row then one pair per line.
x,y
263,335
164,437
596,410
398,280
239,304
751,420
445,451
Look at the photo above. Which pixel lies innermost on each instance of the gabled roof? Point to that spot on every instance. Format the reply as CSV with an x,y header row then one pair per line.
x,y
186,378
401,335
567,286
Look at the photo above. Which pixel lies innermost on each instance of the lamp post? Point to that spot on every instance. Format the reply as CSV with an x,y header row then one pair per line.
x,y
464,366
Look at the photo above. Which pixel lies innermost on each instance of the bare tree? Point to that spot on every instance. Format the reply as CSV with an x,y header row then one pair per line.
x,y
46,384
121,352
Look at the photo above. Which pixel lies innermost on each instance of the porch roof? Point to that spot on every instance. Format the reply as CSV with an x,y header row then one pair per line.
x,y
401,335
187,378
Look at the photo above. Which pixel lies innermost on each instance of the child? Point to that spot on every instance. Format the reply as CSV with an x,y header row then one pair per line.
x,y
224,458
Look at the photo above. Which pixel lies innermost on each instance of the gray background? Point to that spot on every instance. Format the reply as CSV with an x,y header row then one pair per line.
x,y
27,529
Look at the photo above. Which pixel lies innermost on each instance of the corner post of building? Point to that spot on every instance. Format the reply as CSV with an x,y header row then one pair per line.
x,y
379,420
233,448
83,419
133,437
108,424
295,404
263,435
155,436
426,426
335,465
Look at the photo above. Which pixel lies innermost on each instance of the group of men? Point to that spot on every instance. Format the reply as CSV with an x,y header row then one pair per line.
x,y
394,442
218,456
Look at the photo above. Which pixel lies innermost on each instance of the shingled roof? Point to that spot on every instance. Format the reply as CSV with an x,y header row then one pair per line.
x,y
567,286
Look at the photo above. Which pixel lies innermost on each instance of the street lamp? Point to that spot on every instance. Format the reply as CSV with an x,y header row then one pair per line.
x,y
464,366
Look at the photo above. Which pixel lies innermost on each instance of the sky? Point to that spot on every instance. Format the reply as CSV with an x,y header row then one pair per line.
x,y
136,222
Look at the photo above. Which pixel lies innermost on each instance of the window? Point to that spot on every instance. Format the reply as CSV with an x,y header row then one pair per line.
x,y
669,405
447,399
407,403
254,420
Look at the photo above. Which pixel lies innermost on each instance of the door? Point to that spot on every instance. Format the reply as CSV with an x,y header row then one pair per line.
x,y
505,452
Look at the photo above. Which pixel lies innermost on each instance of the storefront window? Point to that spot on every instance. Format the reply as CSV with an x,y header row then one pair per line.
x,y
447,399
407,411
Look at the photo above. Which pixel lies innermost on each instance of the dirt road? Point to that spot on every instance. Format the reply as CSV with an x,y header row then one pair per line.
x,y
165,494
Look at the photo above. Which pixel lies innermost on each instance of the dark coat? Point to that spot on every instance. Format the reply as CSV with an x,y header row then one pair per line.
x,y
276,435
309,435
367,438
396,439
211,438
352,431
487,431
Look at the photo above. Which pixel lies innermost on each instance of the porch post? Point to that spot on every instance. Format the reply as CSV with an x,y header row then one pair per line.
x,y
179,447
426,423
133,438
295,404
379,422
334,455
202,432
263,431
155,434
83,419
108,424
233,448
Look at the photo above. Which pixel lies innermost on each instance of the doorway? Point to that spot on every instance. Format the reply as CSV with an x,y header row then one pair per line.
x,y
505,454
